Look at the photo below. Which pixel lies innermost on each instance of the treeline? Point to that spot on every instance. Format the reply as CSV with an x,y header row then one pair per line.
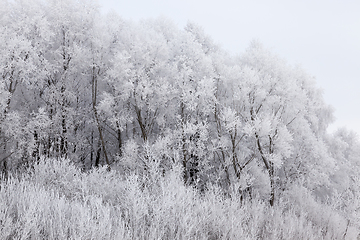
x,y
101,90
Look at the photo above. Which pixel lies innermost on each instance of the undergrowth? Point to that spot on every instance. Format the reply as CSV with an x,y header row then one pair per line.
x,y
55,200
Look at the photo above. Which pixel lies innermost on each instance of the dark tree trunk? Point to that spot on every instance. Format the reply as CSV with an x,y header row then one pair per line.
x,y
98,154
270,168
94,97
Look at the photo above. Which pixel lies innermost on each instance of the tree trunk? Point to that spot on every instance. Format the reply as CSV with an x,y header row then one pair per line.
x,y
270,168
63,141
183,145
97,158
94,96
140,120
119,139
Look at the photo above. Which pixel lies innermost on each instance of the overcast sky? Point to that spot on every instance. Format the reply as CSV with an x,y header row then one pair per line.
x,y
323,36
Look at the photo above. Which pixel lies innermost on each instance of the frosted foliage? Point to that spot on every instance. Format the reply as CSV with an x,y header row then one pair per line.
x,y
16,53
59,201
200,132
262,126
12,125
284,141
118,117
249,129
175,137
231,121
130,157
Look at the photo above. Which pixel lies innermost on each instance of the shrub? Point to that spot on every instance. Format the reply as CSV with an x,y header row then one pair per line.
x,y
57,201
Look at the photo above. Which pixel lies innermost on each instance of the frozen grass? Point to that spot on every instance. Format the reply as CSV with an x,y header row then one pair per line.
x,y
57,201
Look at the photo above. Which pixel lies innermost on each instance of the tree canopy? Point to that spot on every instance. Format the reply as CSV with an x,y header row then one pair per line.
x,y
101,90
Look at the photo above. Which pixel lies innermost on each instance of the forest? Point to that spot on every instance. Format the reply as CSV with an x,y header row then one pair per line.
x,y
116,129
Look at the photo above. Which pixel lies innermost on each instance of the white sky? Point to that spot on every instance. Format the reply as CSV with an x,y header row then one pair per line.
x,y
323,36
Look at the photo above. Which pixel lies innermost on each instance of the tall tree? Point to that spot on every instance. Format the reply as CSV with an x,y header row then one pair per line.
x,y
271,108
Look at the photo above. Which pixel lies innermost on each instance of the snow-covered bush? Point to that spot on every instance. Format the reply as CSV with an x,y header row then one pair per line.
x,y
57,201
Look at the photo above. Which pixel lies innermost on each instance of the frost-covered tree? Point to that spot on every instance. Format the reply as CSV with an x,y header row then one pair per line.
x,y
139,80
195,101
19,72
344,190
43,48
270,108
144,95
